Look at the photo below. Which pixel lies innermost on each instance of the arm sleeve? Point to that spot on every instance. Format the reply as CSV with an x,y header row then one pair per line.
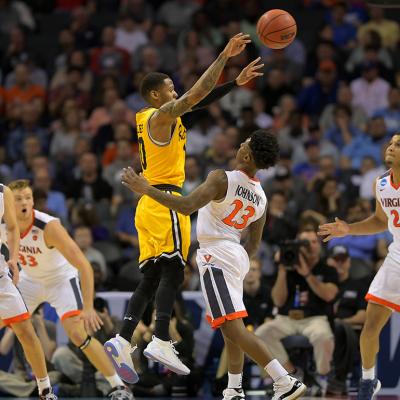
x,y
216,94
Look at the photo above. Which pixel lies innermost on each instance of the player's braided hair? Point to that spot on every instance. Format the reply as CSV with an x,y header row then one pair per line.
x,y
264,148
151,81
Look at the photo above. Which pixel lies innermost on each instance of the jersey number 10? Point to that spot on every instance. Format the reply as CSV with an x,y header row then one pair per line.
x,y
230,219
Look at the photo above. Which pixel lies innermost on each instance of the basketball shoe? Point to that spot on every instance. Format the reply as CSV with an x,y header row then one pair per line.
x,y
164,352
119,351
288,388
233,394
47,394
120,393
368,389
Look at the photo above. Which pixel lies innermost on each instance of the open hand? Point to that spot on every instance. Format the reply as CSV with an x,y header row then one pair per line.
x,y
338,228
236,44
250,72
91,320
133,181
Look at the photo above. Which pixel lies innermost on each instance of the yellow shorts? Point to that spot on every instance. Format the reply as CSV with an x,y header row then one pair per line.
x,y
163,233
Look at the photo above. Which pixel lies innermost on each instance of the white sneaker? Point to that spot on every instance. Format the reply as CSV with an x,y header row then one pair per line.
x,y
119,351
288,389
233,394
165,353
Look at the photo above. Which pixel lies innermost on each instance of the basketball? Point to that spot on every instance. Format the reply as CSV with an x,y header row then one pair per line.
x,y
276,29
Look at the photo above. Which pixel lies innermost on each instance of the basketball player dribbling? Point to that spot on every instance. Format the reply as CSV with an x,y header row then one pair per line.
x,y
383,295
50,262
164,235
228,203
13,311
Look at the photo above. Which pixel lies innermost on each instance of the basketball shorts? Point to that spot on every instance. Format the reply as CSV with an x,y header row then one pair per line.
x,y
12,306
222,268
64,294
162,233
385,288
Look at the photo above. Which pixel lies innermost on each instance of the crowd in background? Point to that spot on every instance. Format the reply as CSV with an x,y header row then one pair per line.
x,y
70,73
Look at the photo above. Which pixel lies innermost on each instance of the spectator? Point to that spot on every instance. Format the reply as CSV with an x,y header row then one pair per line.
x,y
109,58
134,100
391,113
368,145
85,34
17,51
126,232
23,169
343,132
24,91
56,202
90,186
370,91
84,239
307,170
130,35
349,312
313,99
15,13
305,307
388,30
193,174
29,126
177,13
218,155
64,140
66,41
344,98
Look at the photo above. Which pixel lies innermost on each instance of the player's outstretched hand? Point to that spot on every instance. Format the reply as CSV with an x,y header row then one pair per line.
x,y
250,72
338,228
236,44
133,181
91,320
13,265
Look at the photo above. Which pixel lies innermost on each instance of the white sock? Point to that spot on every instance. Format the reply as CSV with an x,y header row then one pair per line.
x,y
114,380
275,370
234,381
43,383
368,373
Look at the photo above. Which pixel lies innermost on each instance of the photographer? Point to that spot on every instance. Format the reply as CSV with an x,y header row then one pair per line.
x,y
304,292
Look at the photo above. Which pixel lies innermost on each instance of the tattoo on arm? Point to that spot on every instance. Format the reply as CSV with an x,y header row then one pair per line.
x,y
199,90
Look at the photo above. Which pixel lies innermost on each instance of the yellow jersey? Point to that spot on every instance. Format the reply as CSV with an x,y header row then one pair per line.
x,y
161,163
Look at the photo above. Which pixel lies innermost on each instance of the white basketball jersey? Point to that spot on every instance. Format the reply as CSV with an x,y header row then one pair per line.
x,y
244,203
38,261
389,197
3,264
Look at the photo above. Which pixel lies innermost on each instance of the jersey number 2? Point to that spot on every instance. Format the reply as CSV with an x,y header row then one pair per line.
x,y
396,218
230,221
28,260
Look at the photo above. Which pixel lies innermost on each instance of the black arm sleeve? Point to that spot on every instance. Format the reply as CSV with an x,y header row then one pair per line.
x,y
216,94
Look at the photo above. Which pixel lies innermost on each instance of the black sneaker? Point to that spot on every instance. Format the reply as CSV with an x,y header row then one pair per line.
x,y
120,393
47,394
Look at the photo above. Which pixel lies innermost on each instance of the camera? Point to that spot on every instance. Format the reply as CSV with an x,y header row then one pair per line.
x,y
290,251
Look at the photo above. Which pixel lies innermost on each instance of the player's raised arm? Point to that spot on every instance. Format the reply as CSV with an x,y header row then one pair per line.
x,y
254,235
214,188
376,223
56,236
175,108
10,218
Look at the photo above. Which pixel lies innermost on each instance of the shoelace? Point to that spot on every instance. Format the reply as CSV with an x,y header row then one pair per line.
x,y
173,347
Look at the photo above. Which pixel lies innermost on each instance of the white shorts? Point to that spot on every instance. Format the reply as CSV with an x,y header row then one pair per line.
x,y
64,295
222,268
385,288
12,306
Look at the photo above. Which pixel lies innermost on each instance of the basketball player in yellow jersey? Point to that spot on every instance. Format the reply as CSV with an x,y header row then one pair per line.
x,y
164,235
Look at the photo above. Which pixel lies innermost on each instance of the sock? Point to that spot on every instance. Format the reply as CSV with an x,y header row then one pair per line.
x,y
114,380
234,381
275,370
368,373
43,383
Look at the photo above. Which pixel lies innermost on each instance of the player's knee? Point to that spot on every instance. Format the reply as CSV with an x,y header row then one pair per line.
x,y
77,335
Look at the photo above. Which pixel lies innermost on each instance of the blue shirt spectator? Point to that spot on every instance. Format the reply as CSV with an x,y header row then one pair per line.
x,y
126,232
391,114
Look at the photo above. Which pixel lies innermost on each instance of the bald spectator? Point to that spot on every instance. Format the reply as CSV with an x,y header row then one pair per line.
x,y
56,202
